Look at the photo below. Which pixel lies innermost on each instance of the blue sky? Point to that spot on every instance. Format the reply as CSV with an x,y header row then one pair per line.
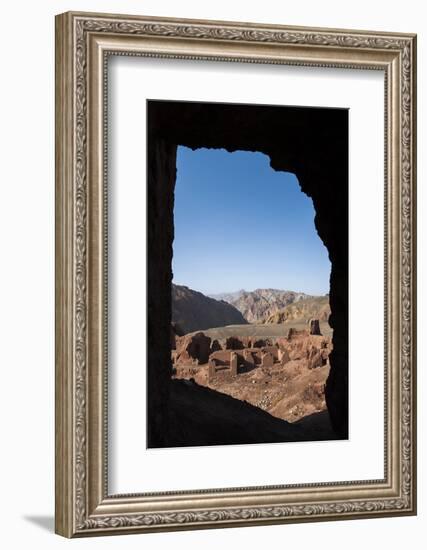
x,y
239,224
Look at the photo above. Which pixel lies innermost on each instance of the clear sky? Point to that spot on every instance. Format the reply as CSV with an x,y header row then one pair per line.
x,y
241,225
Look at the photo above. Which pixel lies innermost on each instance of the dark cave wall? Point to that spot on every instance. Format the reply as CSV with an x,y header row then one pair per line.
x,y
312,143
161,174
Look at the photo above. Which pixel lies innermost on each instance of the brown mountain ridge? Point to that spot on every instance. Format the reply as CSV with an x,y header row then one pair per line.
x,y
192,310
316,307
257,306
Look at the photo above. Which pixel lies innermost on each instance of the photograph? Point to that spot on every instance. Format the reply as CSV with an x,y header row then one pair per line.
x,y
251,334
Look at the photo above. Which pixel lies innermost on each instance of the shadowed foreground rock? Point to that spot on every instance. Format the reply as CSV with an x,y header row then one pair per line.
x,y
201,416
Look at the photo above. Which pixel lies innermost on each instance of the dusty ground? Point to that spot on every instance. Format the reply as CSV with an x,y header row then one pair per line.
x,y
263,330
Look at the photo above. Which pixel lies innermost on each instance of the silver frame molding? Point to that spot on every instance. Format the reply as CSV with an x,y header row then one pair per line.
x,y
83,505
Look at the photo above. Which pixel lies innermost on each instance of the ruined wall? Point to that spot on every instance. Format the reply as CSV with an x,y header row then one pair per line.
x,y
311,143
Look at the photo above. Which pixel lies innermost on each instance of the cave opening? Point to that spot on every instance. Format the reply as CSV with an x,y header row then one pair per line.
x,y
311,143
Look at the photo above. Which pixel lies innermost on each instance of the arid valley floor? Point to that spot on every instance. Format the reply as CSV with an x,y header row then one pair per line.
x,y
277,363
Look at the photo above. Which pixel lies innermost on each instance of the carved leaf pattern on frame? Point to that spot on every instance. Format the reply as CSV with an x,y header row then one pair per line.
x,y
211,31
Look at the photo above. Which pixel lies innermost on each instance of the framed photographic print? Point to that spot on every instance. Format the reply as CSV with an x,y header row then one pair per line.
x,y
235,274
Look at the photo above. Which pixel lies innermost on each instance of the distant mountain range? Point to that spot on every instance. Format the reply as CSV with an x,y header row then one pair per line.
x,y
259,304
192,310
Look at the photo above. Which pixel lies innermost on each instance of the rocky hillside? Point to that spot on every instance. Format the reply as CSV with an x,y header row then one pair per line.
x,y
192,310
260,304
302,310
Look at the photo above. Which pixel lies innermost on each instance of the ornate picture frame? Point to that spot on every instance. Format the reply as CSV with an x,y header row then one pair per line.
x,y
84,506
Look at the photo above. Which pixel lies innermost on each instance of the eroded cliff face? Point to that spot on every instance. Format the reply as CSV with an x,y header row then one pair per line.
x,y
303,310
311,143
258,305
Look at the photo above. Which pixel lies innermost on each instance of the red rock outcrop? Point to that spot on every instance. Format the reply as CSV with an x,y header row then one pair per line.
x,y
193,347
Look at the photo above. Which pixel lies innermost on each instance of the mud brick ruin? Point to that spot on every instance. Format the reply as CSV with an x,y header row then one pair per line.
x,y
235,355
